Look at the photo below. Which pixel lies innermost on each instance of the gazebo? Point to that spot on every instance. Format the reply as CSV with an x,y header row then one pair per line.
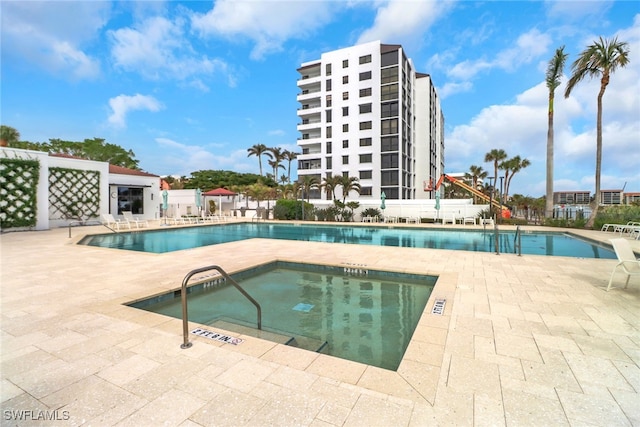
x,y
220,192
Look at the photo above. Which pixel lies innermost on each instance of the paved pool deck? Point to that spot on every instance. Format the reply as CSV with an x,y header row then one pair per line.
x,y
530,340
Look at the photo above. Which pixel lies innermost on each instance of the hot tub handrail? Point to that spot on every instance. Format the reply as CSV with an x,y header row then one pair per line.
x,y
185,316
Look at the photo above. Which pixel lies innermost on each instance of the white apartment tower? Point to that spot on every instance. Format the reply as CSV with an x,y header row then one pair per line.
x,y
365,113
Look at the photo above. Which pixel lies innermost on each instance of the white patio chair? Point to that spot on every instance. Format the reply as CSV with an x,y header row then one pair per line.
x,y
112,222
627,260
128,216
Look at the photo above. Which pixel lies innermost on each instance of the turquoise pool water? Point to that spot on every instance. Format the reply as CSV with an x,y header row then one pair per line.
x,y
533,243
362,315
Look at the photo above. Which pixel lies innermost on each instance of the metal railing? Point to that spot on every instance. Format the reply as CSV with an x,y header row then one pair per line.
x,y
517,242
185,315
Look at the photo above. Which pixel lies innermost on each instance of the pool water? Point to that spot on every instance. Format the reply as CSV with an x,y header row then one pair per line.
x,y
361,315
533,243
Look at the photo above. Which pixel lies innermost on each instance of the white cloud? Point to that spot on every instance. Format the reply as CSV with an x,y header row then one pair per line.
x,y
185,158
401,21
121,105
248,20
52,34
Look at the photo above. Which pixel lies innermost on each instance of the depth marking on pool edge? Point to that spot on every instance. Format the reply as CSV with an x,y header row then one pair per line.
x,y
438,307
216,336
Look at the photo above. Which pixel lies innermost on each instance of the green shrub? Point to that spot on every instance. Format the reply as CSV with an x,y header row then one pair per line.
x,y
287,209
371,212
619,214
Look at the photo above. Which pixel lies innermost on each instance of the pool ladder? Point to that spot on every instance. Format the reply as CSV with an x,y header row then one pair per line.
x,y
185,315
517,241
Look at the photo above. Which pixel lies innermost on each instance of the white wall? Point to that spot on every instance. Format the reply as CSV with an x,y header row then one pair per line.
x,y
152,195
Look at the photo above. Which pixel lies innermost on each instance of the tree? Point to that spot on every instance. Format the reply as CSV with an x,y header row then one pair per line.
x,y
511,167
476,173
553,75
496,156
349,184
258,150
8,136
330,183
289,156
602,58
308,183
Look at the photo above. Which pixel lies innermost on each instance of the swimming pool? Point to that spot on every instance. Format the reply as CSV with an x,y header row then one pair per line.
x,y
367,316
533,243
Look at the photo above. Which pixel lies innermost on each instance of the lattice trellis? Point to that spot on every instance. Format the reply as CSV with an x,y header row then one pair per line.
x,y
18,189
74,194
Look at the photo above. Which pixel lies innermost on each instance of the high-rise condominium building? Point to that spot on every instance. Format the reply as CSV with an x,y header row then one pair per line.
x,y
366,113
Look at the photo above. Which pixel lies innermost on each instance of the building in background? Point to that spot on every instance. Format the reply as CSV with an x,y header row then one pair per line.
x,y
366,113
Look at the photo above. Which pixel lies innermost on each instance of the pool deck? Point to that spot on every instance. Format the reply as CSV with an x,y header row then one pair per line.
x,y
530,340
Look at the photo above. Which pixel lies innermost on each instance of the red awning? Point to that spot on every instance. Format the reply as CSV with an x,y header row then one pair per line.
x,y
219,192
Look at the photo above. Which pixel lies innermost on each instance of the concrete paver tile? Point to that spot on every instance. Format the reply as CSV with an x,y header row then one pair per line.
x,y
596,410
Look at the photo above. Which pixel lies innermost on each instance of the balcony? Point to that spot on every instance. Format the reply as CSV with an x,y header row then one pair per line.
x,y
307,109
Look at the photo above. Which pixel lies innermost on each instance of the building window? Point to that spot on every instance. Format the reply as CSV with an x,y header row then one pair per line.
x,y
365,158
389,161
389,75
345,79
345,160
365,108
328,147
389,143
328,115
327,68
345,111
131,199
389,178
389,58
389,109
365,125
345,63
329,132
365,59
389,92
345,143
365,92
328,100
366,174
365,142
391,193
389,126
365,191
365,75
345,127
328,84
328,161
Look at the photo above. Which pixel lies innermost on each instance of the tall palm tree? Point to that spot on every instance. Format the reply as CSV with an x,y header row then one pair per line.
x,y
258,150
349,184
289,156
476,173
275,165
496,156
308,183
553,76
511,167
602,58
330,183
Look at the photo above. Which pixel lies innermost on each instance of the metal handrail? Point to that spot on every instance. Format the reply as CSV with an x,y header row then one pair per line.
x,y
517,241
185,315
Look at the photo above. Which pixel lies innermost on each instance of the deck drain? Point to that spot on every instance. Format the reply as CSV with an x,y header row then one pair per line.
x,y
438,307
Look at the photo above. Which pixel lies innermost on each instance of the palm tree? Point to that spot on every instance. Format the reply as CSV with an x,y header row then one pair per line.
x,y
8,135
476,173
308,183
554,73
513,165
330,183
349,184
602,58
496,156
258,150
289,156
275,165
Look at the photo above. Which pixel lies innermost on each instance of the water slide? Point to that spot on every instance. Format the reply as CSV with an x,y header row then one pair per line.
x,y
506,213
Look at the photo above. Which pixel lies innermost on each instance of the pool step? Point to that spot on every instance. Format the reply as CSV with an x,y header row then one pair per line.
x,y
310,344
252,332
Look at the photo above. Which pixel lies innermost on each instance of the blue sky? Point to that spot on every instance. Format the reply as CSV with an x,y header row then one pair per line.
x,y
191,85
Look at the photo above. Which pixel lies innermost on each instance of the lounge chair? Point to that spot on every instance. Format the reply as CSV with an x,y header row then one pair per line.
x,y
111,222
627,260
451,219
128,216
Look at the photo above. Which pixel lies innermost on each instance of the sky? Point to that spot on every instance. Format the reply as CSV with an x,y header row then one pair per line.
x,y
190,86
